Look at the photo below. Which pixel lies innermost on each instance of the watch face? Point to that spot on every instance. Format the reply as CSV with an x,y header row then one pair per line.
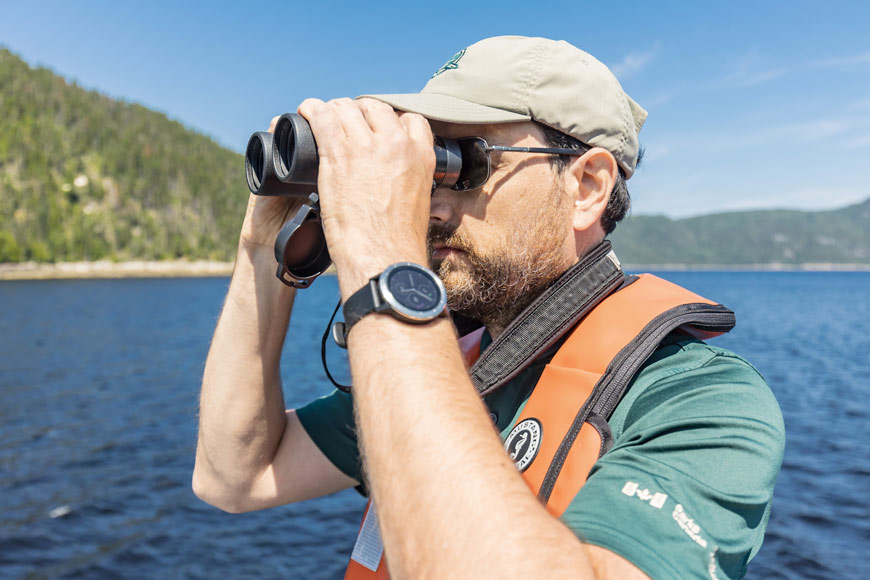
x,y
413,289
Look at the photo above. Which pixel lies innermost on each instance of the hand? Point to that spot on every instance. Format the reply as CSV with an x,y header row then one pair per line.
x,y
266,215
375,182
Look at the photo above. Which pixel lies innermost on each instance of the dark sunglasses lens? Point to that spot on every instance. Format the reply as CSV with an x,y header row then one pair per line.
x,y
475,164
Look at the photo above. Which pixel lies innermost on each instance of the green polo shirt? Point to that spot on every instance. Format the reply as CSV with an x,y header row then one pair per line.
x,y
685,491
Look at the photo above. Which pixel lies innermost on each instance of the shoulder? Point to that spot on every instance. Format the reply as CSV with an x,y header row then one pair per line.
x,y
706,411
679,354
686,377
687,486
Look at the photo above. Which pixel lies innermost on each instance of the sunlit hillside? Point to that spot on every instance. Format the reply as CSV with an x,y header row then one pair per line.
x,y
87,177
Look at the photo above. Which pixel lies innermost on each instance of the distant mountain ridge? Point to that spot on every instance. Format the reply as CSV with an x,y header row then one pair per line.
x,y
84,177
785,237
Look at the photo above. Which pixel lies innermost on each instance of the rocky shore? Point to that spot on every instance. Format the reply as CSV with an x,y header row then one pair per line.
x,y
106,269
182,269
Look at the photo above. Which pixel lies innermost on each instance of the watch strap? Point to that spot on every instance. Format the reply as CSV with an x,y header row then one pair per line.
x,y
365,300
360,303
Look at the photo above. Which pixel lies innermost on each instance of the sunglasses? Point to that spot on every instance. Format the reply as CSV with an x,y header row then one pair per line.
x,y
477,165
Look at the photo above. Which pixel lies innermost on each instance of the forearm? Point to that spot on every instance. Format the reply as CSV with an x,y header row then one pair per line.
x,y
448,496
242,416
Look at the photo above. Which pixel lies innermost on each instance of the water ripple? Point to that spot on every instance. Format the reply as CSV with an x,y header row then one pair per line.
x,y
99,383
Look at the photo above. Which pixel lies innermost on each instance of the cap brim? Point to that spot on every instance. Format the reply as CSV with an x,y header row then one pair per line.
x,y
448,109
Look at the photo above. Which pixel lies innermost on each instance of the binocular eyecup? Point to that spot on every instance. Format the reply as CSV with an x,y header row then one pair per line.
x,y
284,163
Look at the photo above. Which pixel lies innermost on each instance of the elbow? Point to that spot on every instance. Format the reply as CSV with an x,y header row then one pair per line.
x,y
217,496
202,490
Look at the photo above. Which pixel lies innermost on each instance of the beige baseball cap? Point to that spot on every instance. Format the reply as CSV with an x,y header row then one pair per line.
x,y
507,79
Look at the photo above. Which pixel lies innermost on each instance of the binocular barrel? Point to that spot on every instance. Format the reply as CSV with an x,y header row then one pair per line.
x,y
286,162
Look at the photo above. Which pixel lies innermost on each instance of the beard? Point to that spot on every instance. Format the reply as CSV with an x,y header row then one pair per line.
x,y
494,286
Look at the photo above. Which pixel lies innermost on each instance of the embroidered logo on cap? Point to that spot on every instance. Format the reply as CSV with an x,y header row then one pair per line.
x,y
523,442
450,64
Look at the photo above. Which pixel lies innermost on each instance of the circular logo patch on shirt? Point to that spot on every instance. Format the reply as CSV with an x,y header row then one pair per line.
x,y
523,442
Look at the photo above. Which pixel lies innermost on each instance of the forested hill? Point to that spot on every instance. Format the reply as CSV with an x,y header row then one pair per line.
x,y
84,177
748,238
87,177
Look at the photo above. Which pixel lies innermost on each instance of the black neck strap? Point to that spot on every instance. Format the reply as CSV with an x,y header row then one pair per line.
x,y
548,318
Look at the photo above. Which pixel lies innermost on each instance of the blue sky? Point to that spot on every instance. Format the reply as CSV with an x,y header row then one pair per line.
x,y
752,104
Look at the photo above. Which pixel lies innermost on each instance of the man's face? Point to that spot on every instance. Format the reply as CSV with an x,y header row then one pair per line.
x,y
498,246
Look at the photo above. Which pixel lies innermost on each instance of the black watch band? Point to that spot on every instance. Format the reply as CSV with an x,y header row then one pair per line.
x,y
405,290
361,302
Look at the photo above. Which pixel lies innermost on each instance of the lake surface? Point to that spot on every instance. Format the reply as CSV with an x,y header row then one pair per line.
x,y
99,382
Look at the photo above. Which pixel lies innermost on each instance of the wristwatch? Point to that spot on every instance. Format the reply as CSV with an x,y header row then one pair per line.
x,y
407,291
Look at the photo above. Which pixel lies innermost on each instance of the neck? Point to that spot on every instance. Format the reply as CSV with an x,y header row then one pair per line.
x,y
555,311
499,319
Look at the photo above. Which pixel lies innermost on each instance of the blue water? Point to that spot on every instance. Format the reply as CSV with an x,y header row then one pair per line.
x,y
98,403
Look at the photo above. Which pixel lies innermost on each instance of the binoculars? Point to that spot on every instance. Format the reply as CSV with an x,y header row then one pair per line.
x,y
284,163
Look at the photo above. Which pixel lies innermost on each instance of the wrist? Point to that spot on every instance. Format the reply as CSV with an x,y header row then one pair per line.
x,y
255,251
256,263
354,273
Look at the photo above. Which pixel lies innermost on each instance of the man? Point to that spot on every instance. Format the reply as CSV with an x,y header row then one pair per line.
x,y
693,446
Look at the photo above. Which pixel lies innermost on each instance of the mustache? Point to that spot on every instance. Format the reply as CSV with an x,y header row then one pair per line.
x,y
446,234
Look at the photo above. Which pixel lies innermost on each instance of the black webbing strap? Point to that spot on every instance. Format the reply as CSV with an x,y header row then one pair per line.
x,y
548,318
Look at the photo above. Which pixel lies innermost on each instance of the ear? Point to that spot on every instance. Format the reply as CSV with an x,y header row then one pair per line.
x,y
589,179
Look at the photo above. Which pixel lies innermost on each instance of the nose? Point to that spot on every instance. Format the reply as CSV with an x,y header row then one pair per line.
x,y
441,208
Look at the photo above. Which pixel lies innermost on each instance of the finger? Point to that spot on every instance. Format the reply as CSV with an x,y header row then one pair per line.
x,y
381,117
417,128
325,124
353,121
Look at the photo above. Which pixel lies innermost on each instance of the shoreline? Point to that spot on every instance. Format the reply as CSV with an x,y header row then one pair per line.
x,y
205,268
774,267
107,269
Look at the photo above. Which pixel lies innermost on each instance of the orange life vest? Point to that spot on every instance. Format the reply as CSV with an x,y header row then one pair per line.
x,y
562,430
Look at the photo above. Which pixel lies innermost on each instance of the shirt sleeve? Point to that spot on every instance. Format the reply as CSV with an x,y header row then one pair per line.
x,y
330,423
685,492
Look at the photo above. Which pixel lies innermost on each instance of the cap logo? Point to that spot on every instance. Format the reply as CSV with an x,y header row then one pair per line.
x,y
450,64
